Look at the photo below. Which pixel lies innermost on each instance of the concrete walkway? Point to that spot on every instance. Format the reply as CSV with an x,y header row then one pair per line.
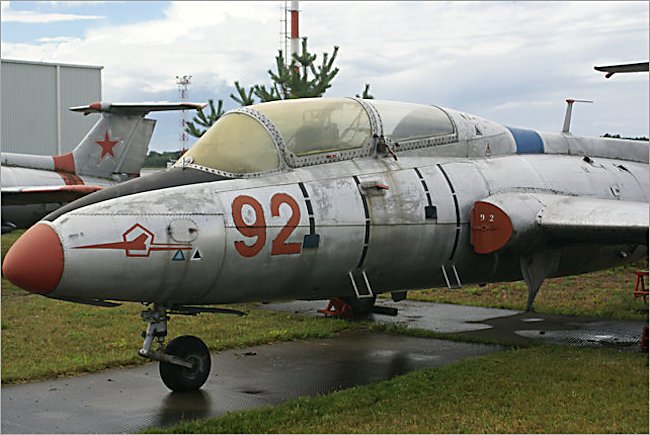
x,y
131,400
490,324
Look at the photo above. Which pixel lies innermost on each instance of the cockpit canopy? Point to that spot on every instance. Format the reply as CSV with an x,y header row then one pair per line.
x,y
269,137
319,125
406,121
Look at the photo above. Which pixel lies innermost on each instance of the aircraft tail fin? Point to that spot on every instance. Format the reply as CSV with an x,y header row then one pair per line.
x,y
117,144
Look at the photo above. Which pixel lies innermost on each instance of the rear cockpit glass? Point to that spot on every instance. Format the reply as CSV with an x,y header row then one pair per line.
x,y
237,143
318,125
406,121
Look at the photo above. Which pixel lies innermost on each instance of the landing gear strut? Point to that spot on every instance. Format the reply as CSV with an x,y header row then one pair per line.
x,y
185,361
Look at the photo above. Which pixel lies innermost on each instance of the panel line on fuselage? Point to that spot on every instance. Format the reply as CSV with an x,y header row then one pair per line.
x,y
424,185
310,209
366,211
457,207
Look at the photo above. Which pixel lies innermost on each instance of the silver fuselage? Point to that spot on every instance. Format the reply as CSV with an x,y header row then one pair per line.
x,y
320,231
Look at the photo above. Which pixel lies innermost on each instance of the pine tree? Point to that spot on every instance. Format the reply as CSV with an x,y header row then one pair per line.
x,y
205,120
300,79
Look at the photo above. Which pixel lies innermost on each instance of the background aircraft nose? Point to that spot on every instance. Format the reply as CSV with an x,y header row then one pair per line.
x,y
35,261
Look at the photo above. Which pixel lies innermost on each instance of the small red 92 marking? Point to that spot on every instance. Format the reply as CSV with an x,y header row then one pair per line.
x,y
257,230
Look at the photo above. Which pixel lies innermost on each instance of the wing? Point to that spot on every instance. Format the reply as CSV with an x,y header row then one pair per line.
x,y
623,68
600,220
135,108
45,194
526,222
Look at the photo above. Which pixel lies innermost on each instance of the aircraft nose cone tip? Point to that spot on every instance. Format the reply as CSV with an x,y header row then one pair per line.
x,y
35,261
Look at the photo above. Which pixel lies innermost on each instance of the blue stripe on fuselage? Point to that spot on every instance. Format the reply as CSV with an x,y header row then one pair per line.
x,y
528,141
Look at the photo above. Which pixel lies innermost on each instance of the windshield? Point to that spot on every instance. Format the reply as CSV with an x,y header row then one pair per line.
x,y
237,143
406,121
318,125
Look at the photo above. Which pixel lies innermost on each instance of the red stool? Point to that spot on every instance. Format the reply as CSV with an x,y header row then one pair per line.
x,y
639,288
337,308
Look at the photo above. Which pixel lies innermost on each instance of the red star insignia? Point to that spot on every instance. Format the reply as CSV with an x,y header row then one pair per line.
x,y
107,145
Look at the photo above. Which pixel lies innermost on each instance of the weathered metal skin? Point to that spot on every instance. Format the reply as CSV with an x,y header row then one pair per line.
x,y
321,230
159,180
405,250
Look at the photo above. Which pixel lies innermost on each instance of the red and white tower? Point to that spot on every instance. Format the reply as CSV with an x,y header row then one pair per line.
x,y
295,38
292,37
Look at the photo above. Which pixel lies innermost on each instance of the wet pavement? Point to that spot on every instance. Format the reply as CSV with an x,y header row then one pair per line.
x,y
131,400
496,325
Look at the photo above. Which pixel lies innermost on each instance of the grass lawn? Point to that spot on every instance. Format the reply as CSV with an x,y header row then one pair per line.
x,y
541,389
606,293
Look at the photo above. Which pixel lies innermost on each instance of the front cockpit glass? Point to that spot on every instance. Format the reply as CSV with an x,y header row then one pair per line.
x,y
406,121
237,143
318,125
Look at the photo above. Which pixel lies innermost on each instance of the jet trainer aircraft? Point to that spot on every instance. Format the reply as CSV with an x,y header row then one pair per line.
x,y
113,151
339,197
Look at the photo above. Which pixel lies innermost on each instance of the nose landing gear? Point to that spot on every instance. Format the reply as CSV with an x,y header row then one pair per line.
x,y
185,362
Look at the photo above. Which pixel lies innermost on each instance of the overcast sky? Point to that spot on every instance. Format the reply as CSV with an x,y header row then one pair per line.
x,y
511,62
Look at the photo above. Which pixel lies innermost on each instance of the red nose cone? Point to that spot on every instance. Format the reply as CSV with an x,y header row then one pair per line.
x,y
35,261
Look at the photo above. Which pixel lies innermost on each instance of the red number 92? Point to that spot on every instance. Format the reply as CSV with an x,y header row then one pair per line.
x,y
257,229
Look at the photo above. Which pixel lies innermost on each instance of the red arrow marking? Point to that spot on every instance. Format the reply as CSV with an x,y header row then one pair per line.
x,y
138,247
136,244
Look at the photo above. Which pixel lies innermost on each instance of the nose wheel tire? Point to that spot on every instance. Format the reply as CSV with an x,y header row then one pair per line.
x,y
178,378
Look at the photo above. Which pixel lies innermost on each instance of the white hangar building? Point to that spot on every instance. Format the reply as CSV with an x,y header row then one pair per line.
x,y
34,102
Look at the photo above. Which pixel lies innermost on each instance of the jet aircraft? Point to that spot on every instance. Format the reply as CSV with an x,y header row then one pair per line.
x,y
339,198
113,151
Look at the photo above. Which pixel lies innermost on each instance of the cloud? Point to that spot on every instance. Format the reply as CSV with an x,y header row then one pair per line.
x,y
77,3
215,42
514,61
31,17
56,39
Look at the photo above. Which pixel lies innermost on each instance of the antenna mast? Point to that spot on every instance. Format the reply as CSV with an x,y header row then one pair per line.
x,y
285,34
183,83
567,114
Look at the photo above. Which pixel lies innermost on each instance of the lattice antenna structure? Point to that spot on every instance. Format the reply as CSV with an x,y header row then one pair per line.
x,y
183,83
291,17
